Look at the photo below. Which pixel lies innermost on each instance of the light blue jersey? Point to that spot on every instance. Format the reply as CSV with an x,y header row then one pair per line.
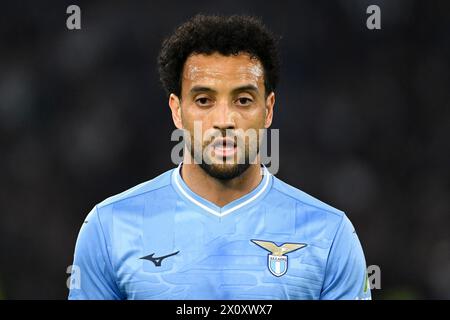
x,y
160,240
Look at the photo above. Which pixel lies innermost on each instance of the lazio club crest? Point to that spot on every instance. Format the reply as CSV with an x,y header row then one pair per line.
x,y
277,260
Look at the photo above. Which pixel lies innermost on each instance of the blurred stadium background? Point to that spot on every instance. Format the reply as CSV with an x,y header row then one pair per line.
x,y
364,121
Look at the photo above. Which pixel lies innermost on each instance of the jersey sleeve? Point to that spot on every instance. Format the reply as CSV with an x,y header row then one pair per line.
x,y
346,274
92,274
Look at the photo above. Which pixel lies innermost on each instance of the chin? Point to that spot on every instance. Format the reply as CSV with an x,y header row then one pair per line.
x,y
224,171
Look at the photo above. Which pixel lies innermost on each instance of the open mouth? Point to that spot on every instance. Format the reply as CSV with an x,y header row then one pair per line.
x,y
224,147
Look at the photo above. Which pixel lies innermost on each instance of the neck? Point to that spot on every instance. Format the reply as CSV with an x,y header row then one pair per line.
x,y
220,192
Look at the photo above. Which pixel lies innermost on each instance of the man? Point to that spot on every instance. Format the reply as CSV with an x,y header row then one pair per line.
x,y
219,226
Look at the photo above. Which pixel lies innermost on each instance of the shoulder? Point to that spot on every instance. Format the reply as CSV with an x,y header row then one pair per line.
x,y
323,219
129,204
304,199
141,190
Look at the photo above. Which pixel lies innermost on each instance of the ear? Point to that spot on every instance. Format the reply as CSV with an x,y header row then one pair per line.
x,y
175,107
270,103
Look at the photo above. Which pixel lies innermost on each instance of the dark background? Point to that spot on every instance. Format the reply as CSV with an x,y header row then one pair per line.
x,y
364,121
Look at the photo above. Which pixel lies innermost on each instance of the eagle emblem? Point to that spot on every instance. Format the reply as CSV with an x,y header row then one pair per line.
x,y
277,259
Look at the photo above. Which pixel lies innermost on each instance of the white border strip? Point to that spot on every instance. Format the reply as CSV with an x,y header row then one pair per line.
x,y
217,213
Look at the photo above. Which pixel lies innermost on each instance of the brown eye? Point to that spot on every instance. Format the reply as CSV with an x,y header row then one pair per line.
x,y
203,101
244,101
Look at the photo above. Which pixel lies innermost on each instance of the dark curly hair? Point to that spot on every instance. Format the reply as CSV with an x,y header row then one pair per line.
x,y
227,35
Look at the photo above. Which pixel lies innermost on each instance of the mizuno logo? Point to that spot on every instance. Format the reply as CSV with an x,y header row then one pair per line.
x,y
158,260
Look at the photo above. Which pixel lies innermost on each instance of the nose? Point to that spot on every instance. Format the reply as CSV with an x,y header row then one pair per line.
x,y
223,117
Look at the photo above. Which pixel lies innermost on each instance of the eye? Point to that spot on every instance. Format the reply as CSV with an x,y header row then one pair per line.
x,y
203,102
244,101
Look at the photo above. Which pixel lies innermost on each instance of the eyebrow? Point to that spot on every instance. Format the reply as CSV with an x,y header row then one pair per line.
x,y
248,87
197,89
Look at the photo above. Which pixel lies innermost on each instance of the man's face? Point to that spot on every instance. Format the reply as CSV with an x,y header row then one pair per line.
x,y
226,95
